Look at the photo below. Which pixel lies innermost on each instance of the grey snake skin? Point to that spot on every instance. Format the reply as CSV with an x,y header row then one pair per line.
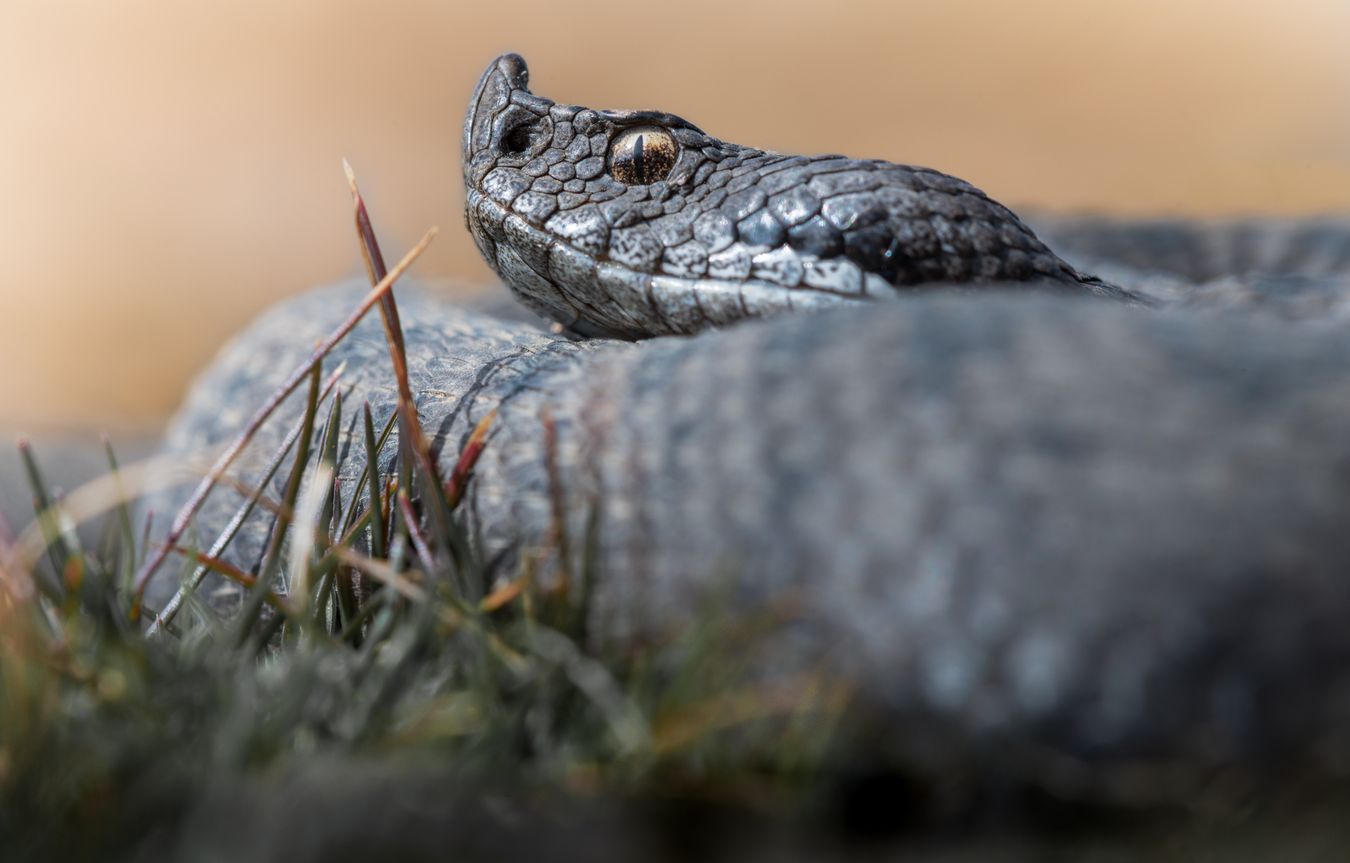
x,y
1092,545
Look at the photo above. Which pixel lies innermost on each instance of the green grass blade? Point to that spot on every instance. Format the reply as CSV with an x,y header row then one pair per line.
x,y
126,531
377,547
59,551
272,561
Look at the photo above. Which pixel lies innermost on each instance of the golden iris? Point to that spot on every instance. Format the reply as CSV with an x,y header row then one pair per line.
x,y
642,155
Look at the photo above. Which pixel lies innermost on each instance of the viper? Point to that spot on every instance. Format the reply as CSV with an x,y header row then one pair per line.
x,y
1034,525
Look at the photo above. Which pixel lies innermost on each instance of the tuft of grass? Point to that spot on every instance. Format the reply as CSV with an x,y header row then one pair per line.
x,y
371,629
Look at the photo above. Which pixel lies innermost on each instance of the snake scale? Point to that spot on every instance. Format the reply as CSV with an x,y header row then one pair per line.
x,y
1051,527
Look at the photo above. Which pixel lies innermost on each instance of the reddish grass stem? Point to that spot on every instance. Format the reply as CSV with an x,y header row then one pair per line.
x,y
409,425
468,457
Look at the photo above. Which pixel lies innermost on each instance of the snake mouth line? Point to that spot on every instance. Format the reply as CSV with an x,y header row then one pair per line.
x,y
751,297
496,215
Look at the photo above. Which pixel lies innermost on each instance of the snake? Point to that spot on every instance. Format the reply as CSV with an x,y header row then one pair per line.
x,y
1083,533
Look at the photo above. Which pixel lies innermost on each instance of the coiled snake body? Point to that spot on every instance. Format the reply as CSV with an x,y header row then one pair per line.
x,y
1043,529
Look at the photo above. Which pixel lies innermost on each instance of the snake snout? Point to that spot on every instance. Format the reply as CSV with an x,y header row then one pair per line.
x,y
491,124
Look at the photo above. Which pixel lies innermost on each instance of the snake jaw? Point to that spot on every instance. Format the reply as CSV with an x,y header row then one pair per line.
x,y
583,233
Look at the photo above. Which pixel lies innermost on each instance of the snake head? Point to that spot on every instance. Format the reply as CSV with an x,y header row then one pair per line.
x,y
637,223
559,199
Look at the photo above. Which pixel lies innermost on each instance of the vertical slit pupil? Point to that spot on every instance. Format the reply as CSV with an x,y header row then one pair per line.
x,y
641,156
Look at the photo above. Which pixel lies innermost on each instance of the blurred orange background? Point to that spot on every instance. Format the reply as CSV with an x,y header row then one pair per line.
x,y
168,168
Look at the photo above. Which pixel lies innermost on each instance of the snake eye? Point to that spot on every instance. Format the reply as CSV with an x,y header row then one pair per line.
x,y
640,156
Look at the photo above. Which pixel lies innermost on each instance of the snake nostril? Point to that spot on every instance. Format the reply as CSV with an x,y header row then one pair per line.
x,y
517,140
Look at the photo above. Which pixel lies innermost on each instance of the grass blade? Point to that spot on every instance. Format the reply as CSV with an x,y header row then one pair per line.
x,y
127,533
272,561
373,484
